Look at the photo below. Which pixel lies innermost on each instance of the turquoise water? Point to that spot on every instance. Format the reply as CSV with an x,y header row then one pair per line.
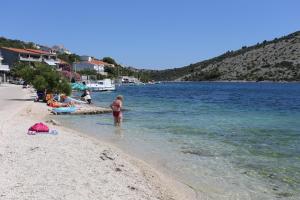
x,y
224,140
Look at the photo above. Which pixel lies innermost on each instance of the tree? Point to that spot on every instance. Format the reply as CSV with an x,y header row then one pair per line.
x,y
109,60
69,58
23,70
88,72
42,77
39,83
4,42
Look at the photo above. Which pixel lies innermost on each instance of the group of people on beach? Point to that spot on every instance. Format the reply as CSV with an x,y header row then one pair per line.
x,y
58,100
61,100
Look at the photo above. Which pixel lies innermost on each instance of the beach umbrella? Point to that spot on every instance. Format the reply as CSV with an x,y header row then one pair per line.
x,y
78,86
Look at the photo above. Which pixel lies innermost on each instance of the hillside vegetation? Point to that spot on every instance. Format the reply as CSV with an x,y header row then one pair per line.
x,y
276,60
4,42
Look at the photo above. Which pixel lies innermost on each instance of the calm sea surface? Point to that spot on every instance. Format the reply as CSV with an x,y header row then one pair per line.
x,y
224,140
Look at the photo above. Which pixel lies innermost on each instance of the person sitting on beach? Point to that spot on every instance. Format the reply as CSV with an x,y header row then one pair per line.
x,y
56,97
116,106
86,96
66,101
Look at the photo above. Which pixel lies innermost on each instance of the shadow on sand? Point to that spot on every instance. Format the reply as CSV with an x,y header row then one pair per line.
x,y
20,99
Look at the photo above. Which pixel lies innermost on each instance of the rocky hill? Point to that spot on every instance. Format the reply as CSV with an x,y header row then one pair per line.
x,y
276,60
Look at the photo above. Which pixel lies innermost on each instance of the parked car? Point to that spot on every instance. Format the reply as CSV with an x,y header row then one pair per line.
x,y
16,81
20,82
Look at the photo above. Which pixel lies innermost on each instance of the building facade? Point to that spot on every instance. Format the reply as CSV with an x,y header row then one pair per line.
x,y
4,70
13,55
89,63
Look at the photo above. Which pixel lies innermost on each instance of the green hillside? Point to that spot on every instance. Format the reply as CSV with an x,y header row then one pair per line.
x,y
275,60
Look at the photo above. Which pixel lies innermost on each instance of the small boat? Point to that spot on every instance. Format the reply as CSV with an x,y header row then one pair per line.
x,y
102,85
128,81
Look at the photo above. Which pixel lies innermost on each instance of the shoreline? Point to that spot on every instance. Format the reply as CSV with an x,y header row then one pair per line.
x,y
75,158
172,180
231,81
147,168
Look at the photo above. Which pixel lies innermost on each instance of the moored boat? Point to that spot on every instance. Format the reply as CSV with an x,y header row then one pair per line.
x,y
102,85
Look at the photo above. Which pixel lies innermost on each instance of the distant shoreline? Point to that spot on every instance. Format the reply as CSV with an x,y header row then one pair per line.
x,y
227,81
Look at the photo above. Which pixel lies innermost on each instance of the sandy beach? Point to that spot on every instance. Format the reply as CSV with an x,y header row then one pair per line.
x,y
69,165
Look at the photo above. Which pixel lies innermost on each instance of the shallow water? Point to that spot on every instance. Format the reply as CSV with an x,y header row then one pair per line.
x,y
225,140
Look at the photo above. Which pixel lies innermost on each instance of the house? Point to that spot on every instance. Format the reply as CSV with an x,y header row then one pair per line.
x,y
4,69
13,55
90,63
48,49
61,49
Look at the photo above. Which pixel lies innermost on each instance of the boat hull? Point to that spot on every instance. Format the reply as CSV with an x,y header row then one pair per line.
x,y
102,85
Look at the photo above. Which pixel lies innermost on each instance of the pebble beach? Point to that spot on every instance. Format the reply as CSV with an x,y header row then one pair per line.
x,y
69,165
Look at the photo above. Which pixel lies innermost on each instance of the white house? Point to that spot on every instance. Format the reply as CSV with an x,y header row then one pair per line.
x,y
4,69
90,63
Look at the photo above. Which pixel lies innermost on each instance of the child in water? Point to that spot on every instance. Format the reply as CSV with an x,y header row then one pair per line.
x,y
116,106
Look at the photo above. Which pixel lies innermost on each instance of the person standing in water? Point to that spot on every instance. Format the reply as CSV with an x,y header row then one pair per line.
x,y
86,96
116,107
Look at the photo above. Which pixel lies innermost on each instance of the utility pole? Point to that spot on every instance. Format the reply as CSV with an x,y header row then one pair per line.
x,y
75,65
71,73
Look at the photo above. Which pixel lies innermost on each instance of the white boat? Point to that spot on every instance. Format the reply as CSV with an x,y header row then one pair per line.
x,y
102,85
129,80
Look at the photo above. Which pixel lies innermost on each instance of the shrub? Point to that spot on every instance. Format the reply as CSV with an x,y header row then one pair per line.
x,y
42,77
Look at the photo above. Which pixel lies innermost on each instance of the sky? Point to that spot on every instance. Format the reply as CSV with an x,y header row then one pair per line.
x,y
152,34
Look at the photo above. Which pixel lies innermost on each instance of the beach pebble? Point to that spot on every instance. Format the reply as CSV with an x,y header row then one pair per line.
x,y
54,122
118,169
131,187
106,154
34,148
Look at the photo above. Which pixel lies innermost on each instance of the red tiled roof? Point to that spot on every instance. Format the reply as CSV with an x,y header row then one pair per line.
x,y
97,62
20,50
93,62
27,51
38,51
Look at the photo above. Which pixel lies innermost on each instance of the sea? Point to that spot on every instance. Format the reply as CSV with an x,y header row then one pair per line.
x,y
223,140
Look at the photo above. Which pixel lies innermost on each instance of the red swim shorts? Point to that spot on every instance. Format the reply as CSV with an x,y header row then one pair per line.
x,y
117,114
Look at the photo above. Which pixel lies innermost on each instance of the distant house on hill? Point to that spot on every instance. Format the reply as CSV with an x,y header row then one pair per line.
x,y
4,69
87,62
61,49
48,49
13,55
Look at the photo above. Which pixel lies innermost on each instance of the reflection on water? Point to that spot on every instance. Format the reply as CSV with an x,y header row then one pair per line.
x,y
226,140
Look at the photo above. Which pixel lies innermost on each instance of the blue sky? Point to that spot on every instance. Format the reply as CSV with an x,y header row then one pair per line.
x,y
149,33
